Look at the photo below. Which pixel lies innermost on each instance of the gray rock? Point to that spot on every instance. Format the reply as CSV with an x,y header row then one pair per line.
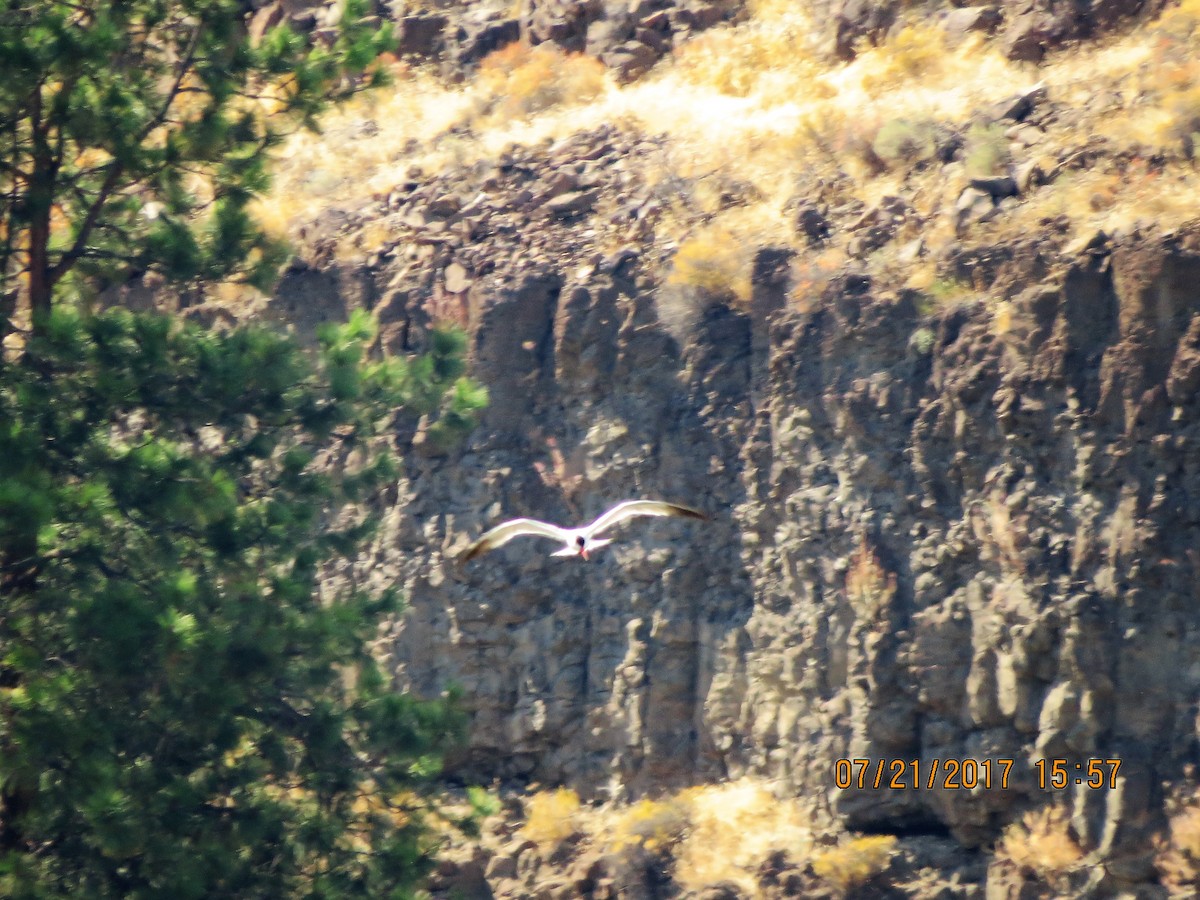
x,y
811,222
1028,175
572,203
973,205
996,186
479,35
422,35
1020,107
960,22
857,20
630,59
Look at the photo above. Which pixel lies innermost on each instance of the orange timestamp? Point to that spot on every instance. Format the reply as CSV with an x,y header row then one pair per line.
x,y
969,774
916,774
1057,774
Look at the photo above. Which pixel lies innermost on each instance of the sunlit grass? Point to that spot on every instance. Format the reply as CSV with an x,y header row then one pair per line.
x,y
733,829
519,80
706,834
365,148
853,863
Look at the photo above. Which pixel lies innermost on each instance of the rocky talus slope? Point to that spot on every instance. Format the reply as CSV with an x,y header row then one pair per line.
x,y
630,37
966,533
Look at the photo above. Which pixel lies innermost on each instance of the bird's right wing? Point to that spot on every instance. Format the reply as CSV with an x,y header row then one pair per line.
x,y
504,533
631,508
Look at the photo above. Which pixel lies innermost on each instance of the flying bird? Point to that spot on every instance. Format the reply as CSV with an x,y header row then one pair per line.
x,y
576,541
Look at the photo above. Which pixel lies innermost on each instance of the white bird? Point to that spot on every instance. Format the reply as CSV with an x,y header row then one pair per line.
x,y
576,541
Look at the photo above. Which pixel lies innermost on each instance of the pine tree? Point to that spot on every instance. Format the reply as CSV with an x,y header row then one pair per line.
x,y
185,708
134,133
182,714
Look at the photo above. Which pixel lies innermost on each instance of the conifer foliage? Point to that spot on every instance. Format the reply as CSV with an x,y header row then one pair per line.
x,y
187,708
184,711
133,133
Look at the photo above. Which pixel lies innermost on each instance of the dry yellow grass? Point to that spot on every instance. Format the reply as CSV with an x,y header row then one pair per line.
x,y
1041,843
767,55
853,863
734,828
1097,200
656,825
749,100
1168,114
912,54
519,80
364,149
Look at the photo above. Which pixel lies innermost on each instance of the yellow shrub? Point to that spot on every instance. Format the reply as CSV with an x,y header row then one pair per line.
x,y
734,828
855,862
1178,856
716,262
523,80
653,824
1041,843
708,60
551,816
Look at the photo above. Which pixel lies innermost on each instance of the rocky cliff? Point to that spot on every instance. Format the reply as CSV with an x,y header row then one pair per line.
x,y
961,534
951,519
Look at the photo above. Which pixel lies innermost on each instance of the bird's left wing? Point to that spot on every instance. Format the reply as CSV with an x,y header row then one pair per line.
x,y
631,508
505,532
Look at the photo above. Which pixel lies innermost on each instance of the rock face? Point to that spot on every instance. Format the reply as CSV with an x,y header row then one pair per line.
x,y
1027,28
971,535
628,37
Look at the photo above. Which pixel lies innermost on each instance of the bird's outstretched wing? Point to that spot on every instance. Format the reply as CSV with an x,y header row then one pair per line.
x,y
631,508
505,532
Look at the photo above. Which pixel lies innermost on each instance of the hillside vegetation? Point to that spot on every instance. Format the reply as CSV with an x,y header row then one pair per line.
x,y
753,122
